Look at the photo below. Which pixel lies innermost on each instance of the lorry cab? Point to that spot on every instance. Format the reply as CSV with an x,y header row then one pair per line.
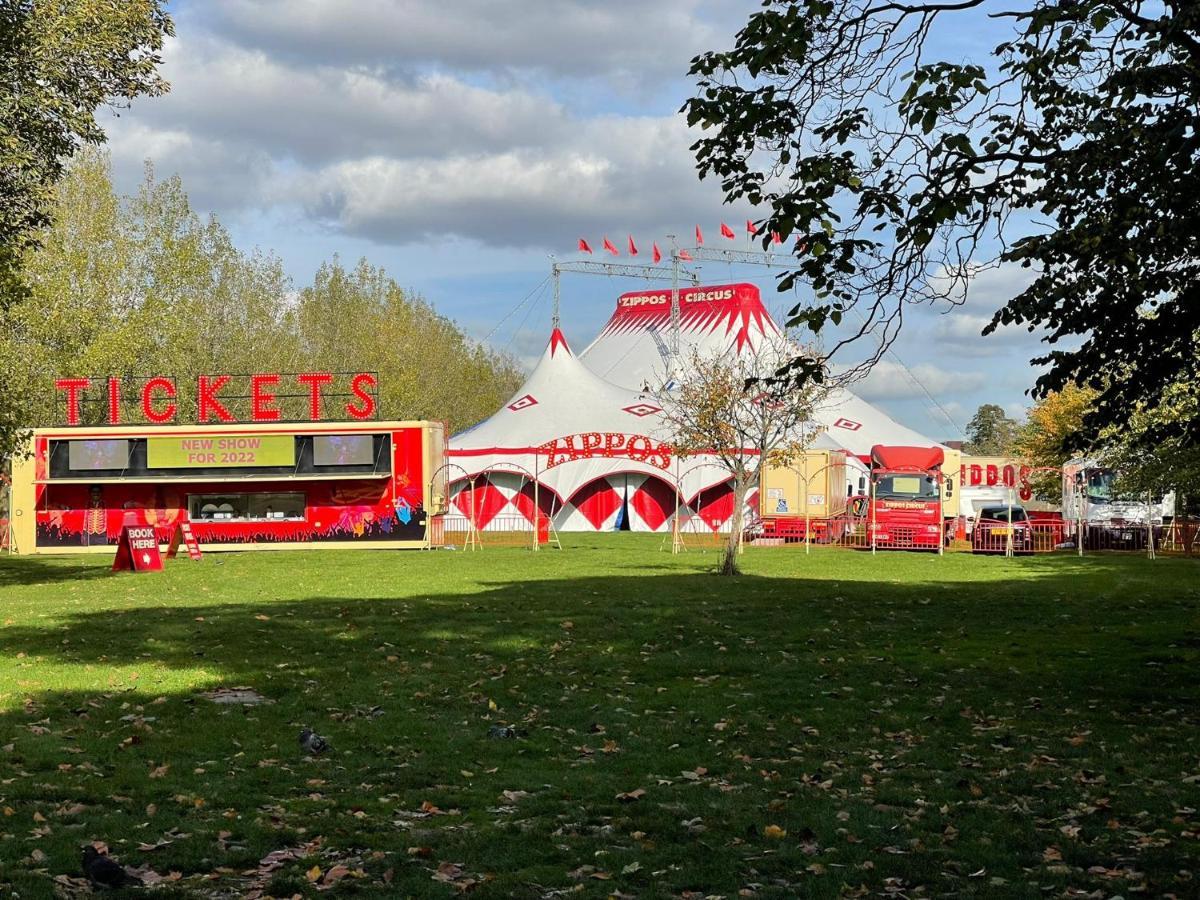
x,y
908,492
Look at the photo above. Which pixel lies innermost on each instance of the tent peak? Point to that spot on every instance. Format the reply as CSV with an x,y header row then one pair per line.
x,y
558,339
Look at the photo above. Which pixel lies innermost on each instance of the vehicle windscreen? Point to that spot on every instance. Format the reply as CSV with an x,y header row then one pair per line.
x,y
1100,486
1000,514
904,486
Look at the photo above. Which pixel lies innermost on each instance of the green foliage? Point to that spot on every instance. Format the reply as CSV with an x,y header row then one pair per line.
x,y
991,432
1149,463
1073,146
912,723
60,60
143,285
362,320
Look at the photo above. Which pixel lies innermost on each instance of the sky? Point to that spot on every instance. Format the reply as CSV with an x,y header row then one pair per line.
x,y
463,145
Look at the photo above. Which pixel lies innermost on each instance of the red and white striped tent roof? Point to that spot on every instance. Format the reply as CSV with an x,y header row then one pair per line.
x,y
633,350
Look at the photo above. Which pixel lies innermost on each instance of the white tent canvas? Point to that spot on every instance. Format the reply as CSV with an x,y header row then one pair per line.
x,y
583,437
597,451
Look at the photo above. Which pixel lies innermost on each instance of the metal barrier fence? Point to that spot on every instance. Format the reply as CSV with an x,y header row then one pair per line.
x,y
989,536
505,530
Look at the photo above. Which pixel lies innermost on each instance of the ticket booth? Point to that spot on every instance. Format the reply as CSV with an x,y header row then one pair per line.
x,y
240,485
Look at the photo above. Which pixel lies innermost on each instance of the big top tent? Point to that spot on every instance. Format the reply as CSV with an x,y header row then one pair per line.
x,y
583,438
633,349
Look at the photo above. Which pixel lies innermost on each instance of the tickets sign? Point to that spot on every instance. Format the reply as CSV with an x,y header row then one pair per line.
x,y
224,451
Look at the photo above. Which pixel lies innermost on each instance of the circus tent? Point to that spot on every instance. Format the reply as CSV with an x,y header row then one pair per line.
x,y
586,451
583,439
634,349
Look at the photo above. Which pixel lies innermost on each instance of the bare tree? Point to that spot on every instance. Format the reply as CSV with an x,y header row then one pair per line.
x,y
728,407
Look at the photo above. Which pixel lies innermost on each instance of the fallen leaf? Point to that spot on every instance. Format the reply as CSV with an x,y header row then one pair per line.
x,y
631,796
313,874
774,831
336,874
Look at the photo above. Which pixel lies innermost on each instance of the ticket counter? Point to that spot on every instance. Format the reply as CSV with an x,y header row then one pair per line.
x,y
242,486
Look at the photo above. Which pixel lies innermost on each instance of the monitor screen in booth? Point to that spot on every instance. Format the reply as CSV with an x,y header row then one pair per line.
x,y
87,456
343,449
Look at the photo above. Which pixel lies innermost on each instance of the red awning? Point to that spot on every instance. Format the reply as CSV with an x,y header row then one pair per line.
x,y
909,459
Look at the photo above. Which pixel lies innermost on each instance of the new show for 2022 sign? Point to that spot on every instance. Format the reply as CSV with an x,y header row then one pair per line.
x,y
225,451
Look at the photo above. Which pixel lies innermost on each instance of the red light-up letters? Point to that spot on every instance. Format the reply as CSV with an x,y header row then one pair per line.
x,y
206,390
114,401
265,397
262,395
149,410
74,387
314,381
359,385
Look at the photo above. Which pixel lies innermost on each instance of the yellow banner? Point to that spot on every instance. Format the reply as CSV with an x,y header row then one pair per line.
x,y
220,451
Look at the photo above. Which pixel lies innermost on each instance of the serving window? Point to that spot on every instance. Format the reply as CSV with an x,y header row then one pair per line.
x,y
247,507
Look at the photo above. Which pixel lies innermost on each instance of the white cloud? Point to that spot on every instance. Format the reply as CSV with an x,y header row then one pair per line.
x,y
611,174
402,160
889,380
627,38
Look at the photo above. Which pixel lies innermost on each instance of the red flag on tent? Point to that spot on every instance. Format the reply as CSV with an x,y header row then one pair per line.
x,y
699,235
608,245
683,254
657,253
727,232
585,246
776,237
632,246
750,229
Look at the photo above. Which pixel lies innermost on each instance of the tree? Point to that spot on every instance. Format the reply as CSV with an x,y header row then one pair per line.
x,y
60,60
991,432
1047,437
142,284
350,320
1073,150
1158,467
726,407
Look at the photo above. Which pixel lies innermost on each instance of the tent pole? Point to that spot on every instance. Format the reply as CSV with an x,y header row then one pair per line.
x,y
555,273
674,306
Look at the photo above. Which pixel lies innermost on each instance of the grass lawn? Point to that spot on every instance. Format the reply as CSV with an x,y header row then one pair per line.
x,y
836,725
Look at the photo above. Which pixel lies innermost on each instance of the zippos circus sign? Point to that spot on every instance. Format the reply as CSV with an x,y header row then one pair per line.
x,y
606,445
264,397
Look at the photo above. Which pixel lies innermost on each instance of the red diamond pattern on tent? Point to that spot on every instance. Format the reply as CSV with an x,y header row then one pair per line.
x,y
597,500
483,500
654,501
642,409
715,505
522,403
848,424
523,501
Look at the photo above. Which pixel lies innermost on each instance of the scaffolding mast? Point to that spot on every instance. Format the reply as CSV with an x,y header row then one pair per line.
x,y
670,273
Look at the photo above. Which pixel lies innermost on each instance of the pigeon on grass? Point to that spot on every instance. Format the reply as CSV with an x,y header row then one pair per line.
x,y
312,743
105,872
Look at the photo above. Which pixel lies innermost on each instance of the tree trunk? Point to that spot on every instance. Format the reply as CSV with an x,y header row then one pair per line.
x,y
729,564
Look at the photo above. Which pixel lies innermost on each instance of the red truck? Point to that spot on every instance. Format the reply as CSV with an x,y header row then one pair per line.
x,y
905,508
